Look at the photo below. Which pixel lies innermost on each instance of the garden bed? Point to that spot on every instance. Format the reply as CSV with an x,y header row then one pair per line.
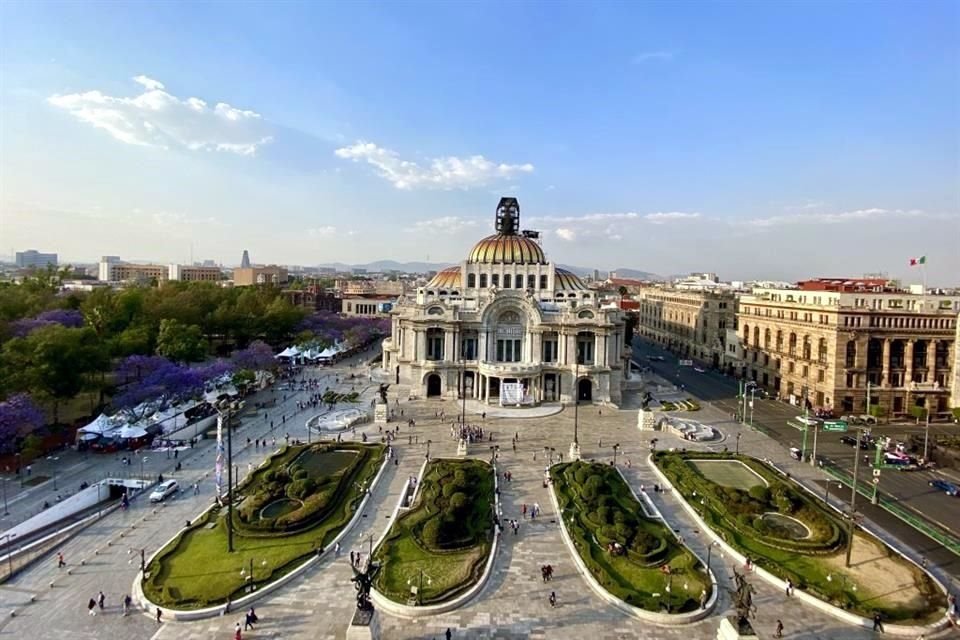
x,y
635,558
441,544
877,580
195,570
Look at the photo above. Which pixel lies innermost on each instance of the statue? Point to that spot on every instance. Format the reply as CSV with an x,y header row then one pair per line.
x,y
743,601
362,581
383,392
647,397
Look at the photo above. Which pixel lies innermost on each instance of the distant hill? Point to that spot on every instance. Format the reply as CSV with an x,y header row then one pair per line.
x,y
388,265
636,274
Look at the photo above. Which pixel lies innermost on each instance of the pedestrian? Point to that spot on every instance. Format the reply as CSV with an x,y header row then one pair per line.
x,y
779,629
789,587
100,600
336,550
878,622
600,443
127,600
247,622
60,561
92,607
553,599
449,633
353,556
237,632
159,614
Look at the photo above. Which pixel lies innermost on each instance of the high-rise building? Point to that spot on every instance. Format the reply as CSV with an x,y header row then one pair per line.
x,y
692,323
31,258
824,341
195,273
245,260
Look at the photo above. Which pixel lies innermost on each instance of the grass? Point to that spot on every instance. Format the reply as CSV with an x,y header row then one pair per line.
x,y
600,511
884,582
728,473
449,563
195,570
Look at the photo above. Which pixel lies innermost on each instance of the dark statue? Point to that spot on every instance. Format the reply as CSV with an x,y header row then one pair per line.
x,y
646,400
383,392
743,602
362,581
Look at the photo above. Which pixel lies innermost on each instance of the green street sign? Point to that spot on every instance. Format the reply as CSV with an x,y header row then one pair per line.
x,y
835,425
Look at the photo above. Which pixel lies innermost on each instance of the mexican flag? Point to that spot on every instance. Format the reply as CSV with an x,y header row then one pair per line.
x,y
915,261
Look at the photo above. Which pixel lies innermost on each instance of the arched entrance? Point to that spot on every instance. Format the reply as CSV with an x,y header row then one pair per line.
x,y
433,385
585,390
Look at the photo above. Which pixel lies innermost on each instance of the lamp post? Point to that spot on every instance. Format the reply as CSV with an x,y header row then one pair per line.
x,y
142,460
853,493
429,442
226,411
575,445
710,553
926,439
5,511
739,435
616,448
419,587
753,395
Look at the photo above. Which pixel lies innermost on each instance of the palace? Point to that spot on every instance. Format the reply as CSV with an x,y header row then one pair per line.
x,y
507,326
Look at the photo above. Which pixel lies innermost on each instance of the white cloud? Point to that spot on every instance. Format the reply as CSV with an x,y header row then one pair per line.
x,y
832,217
159,119
448,172
322,232
566,234
661,217
647,56
447,225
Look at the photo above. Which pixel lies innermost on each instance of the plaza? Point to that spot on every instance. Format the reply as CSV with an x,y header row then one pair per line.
x,y
319,604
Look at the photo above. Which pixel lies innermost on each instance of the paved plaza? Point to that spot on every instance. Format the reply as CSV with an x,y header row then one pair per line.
x,y
319,604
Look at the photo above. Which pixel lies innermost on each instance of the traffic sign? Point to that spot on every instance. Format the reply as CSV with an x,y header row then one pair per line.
x,y
685,363
835,425
876,473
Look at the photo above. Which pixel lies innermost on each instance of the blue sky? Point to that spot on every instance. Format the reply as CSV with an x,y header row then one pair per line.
x,y
777,140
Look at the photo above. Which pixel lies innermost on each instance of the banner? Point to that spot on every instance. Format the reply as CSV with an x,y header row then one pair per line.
x,y
218,464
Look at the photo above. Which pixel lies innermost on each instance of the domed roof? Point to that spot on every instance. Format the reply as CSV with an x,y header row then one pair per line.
x,y
448,278
568,281
507,249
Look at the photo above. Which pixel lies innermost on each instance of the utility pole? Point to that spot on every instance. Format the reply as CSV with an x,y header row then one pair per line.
x,y
813,456
853,495
753,395
229,483
874,499
806,427
926,439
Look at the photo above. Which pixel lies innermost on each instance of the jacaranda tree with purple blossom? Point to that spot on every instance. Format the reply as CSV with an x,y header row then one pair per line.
x,y
256,357
70,318
19,415
154,380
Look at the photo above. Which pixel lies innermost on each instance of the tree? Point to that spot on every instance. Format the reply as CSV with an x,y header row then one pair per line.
x,y
256,357
62,317
154,380
19,415
243,378
180,342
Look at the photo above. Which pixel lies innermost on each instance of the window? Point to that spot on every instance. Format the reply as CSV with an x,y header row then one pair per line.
x,y
550,349
483,281
506,281
471,281
543,282
495,280
531,282
435,344
791,367
585,344
509,350
821,375
806,371
850,381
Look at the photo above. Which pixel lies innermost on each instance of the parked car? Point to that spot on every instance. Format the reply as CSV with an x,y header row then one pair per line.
x,y
850,441
164,490
699,369
947,487
865,419
796,454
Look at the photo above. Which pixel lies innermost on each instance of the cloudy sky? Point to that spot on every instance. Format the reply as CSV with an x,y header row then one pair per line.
x,y
760,140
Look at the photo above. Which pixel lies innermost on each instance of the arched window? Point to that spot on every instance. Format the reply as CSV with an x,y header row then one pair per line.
x,y
756,336
506,281
822,350
793,344
471,281
779,341
766,339
483,281
806,347
746,335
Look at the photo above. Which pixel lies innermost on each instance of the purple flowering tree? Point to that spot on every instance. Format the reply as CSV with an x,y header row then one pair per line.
x,y
70,318
152,378
18,415
256,357
212,370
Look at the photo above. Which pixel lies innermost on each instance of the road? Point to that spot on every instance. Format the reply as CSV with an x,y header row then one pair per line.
x,y
909,489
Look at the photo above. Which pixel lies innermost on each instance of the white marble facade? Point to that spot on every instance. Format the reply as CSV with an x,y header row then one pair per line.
x,y
507,319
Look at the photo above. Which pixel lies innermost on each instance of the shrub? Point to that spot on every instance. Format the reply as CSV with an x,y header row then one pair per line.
x,y
300,489
449,489
603,515
460,478
760,493
431,532
458,502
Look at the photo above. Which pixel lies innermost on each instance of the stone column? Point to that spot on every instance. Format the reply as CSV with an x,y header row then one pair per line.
x,y
885,361
932,361
908,363
449,354
561,348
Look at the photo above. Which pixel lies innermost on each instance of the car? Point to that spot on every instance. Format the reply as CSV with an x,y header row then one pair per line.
x,y
796,454
850,441
699,369
164,490
947,487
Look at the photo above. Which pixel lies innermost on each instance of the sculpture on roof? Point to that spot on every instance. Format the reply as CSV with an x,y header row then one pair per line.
x,y
508,216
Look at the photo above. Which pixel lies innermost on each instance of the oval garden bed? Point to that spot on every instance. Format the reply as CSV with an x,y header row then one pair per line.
x,y
632,556
785,530
283,513
437,549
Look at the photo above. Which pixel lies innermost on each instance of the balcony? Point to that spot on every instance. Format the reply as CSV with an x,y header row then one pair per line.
x,y
926,386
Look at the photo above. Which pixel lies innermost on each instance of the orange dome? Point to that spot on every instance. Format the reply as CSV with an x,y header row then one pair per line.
x,y
507,249
568,281
448,278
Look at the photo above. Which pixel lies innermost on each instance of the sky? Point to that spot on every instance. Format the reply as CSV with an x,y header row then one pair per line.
x,y
754,140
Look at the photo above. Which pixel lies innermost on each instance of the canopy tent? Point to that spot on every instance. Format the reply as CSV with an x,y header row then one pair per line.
x,y
132,431
87,435
289,352
101,425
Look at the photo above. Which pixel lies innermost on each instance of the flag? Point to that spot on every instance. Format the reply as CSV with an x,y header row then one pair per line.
x,y
915,261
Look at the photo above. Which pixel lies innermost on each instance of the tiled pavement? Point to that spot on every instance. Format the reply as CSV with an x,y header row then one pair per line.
x,y
512,605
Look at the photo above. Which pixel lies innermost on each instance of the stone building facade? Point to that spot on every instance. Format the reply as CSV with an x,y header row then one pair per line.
x,y
692,323
507,326
823,347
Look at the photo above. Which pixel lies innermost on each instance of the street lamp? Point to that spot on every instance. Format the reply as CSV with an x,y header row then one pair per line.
x,y
225,409
853,491
429,442
249,576
419,588
5,511
710,553
739,435
575,445
616,448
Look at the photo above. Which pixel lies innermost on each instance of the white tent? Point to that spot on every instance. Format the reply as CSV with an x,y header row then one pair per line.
x,y
132,431
99,426
289,352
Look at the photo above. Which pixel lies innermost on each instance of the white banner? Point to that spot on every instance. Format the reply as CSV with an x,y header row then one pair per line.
x,y
511,393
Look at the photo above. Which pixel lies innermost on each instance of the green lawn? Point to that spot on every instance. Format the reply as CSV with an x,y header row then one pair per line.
x,y
598,508
878,581
443,541
728,473
196,571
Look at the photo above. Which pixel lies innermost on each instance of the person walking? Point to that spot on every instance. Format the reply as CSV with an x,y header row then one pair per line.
x,y
779,632
878,622
92,607
449,633
237,632
789,589
553,598
100,599
127,601
247,622
159,615
60,561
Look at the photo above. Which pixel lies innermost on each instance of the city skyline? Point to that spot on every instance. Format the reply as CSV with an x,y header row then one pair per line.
x,y
655,137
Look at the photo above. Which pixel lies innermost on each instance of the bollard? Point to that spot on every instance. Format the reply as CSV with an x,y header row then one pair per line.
x,y
33,598
51,584
13,613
